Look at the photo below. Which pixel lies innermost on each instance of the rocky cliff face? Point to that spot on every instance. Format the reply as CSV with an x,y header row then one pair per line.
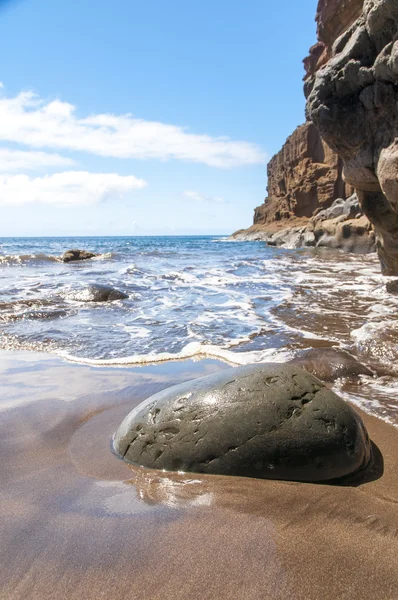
x,y
307,202
333,17
305,176
352,99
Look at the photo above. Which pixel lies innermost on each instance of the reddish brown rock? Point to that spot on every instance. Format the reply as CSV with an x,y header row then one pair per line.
x,y
303,177
333,17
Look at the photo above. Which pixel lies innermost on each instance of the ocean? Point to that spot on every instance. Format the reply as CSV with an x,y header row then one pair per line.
x,y
195,297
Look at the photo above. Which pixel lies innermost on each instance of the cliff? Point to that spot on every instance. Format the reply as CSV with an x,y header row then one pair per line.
x,y
306,176
352,99
303,177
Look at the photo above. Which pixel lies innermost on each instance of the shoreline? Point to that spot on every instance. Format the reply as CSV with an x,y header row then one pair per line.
x,y
78,522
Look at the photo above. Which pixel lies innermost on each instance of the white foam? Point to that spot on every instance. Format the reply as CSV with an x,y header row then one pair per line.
x,y
192,350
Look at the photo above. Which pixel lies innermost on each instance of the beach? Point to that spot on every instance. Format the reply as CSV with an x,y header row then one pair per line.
x,y
77,522
134,140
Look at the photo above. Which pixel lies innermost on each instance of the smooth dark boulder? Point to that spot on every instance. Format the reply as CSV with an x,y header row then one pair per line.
x,y
75,254
99,293
270,421
329,364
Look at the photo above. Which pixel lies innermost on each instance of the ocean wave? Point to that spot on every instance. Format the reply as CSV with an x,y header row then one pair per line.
x,y
378,341
11,260
26,302
230,239
106,256
369,402
193,350
34,315
178,276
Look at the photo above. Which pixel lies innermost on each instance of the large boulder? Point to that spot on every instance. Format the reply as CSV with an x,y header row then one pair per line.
x,y
271,421
349,235
75,254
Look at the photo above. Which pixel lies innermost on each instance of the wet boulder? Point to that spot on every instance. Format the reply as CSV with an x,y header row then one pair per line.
x,y
329,364
75,254
270,421
99,293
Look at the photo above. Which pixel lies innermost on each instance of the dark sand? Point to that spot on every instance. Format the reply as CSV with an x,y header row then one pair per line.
x,y
77,523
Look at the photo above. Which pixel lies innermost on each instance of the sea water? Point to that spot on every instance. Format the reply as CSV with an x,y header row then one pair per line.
x,y
241,302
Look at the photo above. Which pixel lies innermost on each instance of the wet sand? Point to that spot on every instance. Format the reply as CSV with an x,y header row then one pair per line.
x,y
76,522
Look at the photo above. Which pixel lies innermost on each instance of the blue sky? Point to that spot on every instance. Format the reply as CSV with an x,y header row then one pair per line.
x,y
150,117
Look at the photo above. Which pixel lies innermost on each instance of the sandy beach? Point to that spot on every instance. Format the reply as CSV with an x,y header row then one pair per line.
x,y
76,522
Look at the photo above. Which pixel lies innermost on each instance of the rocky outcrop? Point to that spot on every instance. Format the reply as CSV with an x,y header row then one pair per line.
x,y
352,99
98,293
342,226
75,254
304,176
271,421
304,179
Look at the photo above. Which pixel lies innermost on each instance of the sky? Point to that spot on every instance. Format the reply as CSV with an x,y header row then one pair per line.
x,y
145,117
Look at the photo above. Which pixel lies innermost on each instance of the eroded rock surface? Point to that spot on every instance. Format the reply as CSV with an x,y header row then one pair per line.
x,y
333,17
269,421
352,100
76,254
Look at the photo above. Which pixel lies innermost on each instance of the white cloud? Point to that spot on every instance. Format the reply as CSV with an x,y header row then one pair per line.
x,y
27,119
192,195
70,188
20,160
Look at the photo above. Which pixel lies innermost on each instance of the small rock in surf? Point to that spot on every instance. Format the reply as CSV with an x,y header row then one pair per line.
x,y
75,254
99,293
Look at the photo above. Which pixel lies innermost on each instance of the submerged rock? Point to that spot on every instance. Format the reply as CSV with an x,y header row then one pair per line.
x,y
271,421
329,364
75,254
392,287
99,293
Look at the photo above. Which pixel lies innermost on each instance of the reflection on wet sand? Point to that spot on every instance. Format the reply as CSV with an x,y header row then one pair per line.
x,y
76,522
